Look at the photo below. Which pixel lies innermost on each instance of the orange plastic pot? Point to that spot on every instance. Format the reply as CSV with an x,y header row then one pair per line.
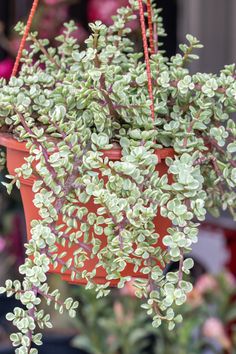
x,y
16,154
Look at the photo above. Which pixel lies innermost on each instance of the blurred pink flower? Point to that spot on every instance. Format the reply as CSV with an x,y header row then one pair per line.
x,y
119,312
2,244
205,284
6,67
231,280
111,340
194,298
52,2
129,289
51,21
214,328
104,10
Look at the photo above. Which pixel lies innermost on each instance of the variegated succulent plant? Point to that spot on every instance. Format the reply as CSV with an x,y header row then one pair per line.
x,y
68,105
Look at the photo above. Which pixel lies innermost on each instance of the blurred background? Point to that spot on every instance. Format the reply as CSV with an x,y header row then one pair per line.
x,y
116,325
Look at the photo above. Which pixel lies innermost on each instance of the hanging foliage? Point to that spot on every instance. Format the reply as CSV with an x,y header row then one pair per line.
x,y
71,105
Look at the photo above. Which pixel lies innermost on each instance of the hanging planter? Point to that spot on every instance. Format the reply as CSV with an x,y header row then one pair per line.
x,y
117,161
17,153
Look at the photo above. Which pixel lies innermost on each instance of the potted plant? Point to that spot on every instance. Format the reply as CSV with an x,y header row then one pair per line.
x,y
112,189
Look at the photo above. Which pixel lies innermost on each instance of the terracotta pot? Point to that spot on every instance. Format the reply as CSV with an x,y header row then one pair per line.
x,y
17,152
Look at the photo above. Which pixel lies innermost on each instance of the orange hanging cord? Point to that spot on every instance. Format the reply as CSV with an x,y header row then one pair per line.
x,y
24,38
146,54
150,26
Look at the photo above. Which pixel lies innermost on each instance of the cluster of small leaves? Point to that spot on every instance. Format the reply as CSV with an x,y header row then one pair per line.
x,y
2,160
70,106
30,294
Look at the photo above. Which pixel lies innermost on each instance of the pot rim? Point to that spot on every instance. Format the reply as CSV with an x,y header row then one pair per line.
x,y
9,142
